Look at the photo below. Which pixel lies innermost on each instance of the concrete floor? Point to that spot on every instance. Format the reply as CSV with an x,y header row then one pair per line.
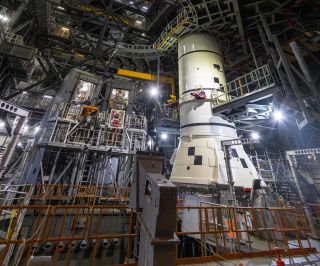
x,y
312,259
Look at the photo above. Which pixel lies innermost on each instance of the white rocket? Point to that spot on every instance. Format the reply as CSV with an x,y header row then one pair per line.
x,y
199,159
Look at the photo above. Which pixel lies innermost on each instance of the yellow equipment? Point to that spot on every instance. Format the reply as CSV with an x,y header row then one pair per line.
x,y
89,110
147,76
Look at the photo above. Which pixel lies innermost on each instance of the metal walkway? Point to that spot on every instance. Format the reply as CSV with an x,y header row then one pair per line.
x,y
252,87
206,16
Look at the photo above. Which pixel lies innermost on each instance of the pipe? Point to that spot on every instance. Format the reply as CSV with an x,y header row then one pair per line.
x,y
116,242
84,245
61,246
36,247
48,247
105,243
74,245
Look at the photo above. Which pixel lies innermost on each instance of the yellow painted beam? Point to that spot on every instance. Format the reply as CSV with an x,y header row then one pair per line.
x,y
146,76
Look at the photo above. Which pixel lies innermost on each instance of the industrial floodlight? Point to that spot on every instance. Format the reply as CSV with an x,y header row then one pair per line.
x,y
164,136
4,18
278,115
154,91
255,135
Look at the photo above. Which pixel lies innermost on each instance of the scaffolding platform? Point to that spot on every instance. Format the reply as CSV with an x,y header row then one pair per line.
x,y
251,97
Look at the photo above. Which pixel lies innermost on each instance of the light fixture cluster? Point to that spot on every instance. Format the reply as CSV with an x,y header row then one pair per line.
x,y
277,116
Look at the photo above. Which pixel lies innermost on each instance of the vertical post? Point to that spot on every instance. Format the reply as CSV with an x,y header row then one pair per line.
x,y
302,197
227,158
253,54
304,67
7,155
18,12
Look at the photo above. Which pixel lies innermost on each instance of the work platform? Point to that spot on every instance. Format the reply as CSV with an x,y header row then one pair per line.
x,y
225,232
250,88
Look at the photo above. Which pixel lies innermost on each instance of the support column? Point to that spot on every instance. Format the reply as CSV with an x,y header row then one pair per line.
x,y
302,197
304,67
7,155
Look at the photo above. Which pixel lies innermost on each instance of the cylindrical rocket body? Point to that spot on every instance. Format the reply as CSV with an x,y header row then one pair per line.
x,y
201,69
199,158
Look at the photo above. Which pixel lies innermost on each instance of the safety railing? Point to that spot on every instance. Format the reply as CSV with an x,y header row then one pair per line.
x,y
105,138
68,126
215,232
255,80
136,140
70,229
14,38
14,194
137,122
163,40
79,193
315,216
167,111
171,28
121,45
224,232
33,100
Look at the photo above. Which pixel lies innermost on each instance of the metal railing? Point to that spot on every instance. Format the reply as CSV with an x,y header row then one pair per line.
x,y
226,232
67,126
255,80
223,232
33,100
67,228
15,194
79,193
170,29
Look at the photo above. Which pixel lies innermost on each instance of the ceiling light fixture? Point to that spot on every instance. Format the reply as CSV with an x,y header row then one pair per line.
x,y
164,136
4,18
278,115
154,91
255,135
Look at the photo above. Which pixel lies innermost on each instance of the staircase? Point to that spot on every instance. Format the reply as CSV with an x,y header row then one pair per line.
x,y
287,190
